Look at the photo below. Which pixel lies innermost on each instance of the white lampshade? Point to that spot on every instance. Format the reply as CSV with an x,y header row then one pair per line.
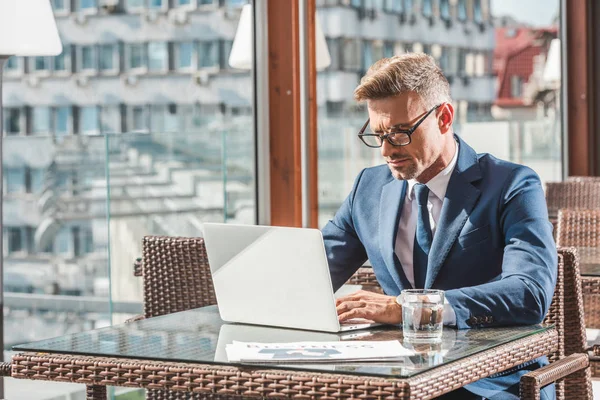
x,y
241,52
27,28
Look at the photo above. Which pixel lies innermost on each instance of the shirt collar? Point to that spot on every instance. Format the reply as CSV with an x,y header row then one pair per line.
x,y
439,183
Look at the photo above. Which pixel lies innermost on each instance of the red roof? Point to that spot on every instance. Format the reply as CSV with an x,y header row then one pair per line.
x,y
516,49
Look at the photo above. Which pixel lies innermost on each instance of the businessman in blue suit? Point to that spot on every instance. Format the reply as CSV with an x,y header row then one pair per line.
x,y
441,216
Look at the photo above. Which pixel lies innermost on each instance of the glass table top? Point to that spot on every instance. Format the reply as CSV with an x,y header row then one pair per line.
x,y
200,336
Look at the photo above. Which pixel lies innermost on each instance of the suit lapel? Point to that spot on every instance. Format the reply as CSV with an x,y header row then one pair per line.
x,y
390,207
461,197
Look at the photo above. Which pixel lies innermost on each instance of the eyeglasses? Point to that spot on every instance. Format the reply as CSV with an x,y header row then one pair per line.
x,y
395,137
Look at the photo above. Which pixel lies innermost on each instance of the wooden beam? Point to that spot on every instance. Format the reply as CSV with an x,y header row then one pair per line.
x,y
581,147
284,113
313,167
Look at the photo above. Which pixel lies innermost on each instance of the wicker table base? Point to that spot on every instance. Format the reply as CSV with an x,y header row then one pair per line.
x,y
225,381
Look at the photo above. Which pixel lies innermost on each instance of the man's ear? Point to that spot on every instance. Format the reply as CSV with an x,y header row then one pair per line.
x,y
445,117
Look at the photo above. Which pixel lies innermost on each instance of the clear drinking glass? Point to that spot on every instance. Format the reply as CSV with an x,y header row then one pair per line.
x,y
422,314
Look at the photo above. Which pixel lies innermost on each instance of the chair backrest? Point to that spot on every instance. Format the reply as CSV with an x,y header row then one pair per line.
x,y
576,194
578,228
176,275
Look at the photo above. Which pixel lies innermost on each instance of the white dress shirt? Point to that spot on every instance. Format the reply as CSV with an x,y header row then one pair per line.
x,y
405,239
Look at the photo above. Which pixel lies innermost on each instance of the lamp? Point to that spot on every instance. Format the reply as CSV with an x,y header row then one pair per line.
x,y
241,52
27,28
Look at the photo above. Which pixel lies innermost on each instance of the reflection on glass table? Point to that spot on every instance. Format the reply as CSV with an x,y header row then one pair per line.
x,y
200,336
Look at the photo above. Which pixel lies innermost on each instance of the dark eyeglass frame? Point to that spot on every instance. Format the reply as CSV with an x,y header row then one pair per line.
x,y
386,136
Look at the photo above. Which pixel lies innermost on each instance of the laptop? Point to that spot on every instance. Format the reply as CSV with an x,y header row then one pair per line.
x,y
275,276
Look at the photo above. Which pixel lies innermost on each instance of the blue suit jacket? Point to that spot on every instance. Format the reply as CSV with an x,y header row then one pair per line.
x,y
493,251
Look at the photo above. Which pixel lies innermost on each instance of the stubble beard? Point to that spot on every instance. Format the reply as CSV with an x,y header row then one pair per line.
x,y
406,173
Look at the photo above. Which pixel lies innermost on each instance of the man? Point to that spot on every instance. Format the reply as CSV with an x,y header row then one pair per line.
x,y
441,216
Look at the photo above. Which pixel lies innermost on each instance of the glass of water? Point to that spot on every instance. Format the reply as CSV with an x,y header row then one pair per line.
x,y
422,314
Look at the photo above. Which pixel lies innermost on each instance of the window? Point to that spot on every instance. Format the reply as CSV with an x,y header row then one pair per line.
x,y
377,50
62,121
356,3
13,66
60,6
15,180
351,55
208,55
462,10
225,51
135,3
34,180
388,49
367,56
89,122
41,120
12,121
409,6
156,3
139,119
516,86
62,62
88,58
110,119
107,57
444,61
427,8
158,56
41,64
137,56
477,15
88,4
184,2
334,52
185,55
15,242
445,9
394,6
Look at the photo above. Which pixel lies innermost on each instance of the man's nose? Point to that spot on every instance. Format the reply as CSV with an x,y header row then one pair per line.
x,y
386,148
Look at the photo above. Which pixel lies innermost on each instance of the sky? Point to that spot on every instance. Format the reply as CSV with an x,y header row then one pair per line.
x,y
533,12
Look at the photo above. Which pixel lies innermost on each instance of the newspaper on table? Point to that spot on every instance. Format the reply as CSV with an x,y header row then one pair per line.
x,y
309,352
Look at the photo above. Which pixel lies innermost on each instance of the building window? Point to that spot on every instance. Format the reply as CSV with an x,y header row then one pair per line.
x,y
158,56
88,4
183,3
351,55
377,50
139,119
88,58
208,54
394,6
226,46
516,86
185,55
388,49
110,119
41,120
356,3
89,122
108,58
12,121
13,67
445,9
367,55
137,56
205,2
132,4
62,62
427,8
15,243
477,14
334,52
34,180
60,6
409,6
15,180
462,10
156,3
40,65
62,121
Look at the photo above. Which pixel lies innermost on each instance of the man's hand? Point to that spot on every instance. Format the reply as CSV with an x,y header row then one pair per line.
x,y
368,305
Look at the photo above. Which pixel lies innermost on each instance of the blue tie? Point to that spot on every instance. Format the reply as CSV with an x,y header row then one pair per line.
x,y
423,236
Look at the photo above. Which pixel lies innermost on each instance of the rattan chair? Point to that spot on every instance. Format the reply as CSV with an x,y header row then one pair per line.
x,y
581,228
177,277
573,194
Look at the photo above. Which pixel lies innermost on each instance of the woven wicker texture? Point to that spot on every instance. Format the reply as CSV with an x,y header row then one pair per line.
x,y
581,228
572,195
255,382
